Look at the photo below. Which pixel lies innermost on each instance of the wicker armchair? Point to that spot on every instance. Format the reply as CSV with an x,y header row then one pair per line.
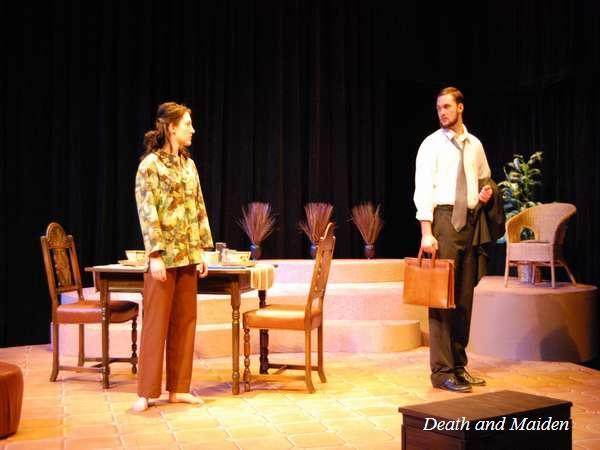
x,y
549,225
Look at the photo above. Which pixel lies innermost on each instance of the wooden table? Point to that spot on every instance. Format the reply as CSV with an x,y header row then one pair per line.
x,y
232,282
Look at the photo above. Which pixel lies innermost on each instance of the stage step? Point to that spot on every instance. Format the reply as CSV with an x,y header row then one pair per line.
x,y
367,301
342,270
363,312
214,340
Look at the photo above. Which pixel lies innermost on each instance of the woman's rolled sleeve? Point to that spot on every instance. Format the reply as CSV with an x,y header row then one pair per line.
x,y
146,183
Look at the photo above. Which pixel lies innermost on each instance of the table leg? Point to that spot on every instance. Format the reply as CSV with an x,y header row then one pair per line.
x,y
264,338
235,337
104,299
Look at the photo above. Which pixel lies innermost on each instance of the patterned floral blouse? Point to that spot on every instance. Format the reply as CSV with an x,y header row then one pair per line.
x,y
171,209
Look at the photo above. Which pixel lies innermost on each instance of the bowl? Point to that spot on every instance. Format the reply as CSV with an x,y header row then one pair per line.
x,y
237,257
211,258
136,255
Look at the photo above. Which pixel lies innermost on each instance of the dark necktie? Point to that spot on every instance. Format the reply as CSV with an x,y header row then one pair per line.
x,y
459,212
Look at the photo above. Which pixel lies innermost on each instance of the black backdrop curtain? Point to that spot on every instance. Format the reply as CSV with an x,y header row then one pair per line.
x,y
293,101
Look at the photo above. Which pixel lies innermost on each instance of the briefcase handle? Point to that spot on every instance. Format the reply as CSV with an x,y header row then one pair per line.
x,y
420,257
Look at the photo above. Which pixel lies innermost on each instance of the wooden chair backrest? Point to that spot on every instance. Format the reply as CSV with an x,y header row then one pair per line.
x,y
61,264
321,268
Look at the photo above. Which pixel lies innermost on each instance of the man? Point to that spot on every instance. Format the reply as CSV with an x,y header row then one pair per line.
x,y
450,164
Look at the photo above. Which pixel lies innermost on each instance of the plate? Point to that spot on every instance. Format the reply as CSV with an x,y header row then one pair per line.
x,y
233,265
128,262
241,264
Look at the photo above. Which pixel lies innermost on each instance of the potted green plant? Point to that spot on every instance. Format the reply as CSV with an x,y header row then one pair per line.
x,y
520,189
521,184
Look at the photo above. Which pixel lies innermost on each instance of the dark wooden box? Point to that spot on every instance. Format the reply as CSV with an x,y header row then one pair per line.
x,y
497,420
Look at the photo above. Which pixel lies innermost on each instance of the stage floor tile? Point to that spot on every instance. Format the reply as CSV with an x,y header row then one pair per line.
x,y
357,408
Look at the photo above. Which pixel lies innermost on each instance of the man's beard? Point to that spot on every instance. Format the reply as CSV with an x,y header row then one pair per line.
x,y
450,124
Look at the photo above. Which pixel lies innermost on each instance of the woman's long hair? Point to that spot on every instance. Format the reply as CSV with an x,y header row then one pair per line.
x,y
169,112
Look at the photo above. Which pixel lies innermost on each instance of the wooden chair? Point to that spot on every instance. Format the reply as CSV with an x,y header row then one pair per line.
x,y
296,317
549,225
62,272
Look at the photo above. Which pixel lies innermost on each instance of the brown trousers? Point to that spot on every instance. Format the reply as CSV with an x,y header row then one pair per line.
x,y
449,328
169,317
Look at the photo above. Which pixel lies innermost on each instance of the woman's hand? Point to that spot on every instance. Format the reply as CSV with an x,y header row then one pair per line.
x,y
202,269
157,268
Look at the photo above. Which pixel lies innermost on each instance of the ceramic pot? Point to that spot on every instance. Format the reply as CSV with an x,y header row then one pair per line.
x,y
255,252
524,272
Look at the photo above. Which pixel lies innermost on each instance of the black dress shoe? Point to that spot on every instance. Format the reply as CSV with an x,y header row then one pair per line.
x,y
453,385
465,377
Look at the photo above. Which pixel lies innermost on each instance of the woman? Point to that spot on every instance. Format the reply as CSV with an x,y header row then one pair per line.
x,y
175,230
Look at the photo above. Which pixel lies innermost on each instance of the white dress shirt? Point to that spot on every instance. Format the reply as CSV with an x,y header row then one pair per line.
x,y
436,168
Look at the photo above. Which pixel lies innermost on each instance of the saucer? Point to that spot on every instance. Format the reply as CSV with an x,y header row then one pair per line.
x,y
128,262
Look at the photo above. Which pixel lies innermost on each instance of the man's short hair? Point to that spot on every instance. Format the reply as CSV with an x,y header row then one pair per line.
x,y
458,96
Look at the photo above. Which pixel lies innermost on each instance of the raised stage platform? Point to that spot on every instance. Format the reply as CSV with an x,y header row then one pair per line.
x,y
363,312
535,322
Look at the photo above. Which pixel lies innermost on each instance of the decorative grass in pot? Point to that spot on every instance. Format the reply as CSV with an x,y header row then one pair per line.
x,y
257,222
369,223
318,215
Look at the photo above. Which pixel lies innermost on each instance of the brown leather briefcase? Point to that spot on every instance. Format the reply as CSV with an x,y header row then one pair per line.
x,y
429,282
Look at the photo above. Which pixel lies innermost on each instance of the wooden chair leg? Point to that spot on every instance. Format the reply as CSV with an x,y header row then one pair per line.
x,y
264,352
54,373
105,364
246,376
552,275
307,362
506,267
134,358
81,357
320,355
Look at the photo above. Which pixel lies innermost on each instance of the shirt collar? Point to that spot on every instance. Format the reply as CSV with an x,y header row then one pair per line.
x,y
167,158
450,134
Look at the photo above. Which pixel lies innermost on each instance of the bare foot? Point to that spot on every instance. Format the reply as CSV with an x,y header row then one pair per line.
x,y
180,397
141,404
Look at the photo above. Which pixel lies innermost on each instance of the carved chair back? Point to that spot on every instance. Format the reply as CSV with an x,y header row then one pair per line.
x,y
61,264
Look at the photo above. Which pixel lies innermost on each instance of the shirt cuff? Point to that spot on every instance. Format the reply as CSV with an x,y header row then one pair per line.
x,y
425,216
156,248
